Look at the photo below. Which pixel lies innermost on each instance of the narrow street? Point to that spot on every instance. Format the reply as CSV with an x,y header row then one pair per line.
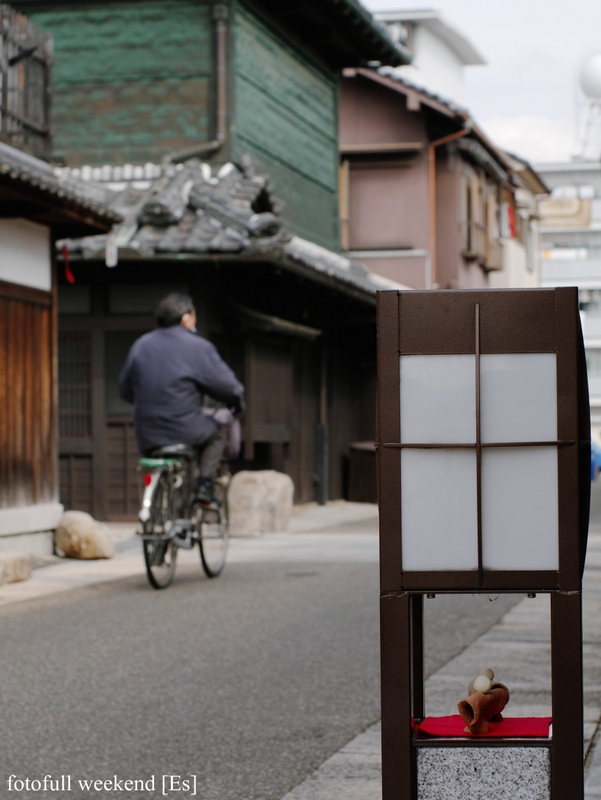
x,y
248,682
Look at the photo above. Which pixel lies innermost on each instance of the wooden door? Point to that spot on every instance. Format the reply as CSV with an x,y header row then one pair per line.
x,y
268,375
123,480
27,426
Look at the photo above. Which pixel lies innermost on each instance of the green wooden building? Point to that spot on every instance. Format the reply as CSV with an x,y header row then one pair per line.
x,y
137,80
153,100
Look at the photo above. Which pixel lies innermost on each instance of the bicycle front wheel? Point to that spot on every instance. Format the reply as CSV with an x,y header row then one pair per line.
x,y
214,532
160,553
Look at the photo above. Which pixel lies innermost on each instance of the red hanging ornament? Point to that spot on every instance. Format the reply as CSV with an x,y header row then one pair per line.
x,y
69,276
511,216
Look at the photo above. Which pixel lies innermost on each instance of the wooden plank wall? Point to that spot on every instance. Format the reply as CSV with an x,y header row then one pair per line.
x,y
123,481
286,115
27,429
131,80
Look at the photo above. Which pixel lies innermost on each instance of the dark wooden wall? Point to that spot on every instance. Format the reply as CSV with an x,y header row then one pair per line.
x,y
351,400
282,373
27,430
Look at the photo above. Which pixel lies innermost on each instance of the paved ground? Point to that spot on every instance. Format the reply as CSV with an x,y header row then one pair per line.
x,y
248,682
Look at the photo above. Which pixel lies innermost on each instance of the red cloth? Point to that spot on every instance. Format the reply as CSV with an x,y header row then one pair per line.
x,y
69,276
511,727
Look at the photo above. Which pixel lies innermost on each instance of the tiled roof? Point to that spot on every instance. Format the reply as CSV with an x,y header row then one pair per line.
x,y
233,214
391,72
23,168
463,117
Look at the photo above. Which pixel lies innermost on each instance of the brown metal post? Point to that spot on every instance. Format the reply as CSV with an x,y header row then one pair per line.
x,y
397,755
388,429
567,753
417,655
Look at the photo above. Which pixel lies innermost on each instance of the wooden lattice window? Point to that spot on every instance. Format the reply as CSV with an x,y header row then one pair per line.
x,y
75,385
25,75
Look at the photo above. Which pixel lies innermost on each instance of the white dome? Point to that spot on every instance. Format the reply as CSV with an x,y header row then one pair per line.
x,y
590,77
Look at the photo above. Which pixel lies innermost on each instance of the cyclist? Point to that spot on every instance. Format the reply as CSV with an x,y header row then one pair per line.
x,y
166,375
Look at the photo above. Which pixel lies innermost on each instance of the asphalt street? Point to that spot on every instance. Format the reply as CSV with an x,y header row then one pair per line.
x,y
247,682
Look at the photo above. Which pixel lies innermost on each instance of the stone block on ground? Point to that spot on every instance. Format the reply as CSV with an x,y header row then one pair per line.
x,y
15,566
79,535
260,502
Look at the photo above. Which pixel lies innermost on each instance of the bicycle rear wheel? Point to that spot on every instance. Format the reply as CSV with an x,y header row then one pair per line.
x,y
160,553
213,530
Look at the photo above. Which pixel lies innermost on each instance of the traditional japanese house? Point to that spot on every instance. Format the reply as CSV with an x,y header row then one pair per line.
x,y
294,320
36,208
426,198
244,94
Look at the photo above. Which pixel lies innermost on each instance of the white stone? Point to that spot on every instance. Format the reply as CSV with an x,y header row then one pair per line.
x,y
260,502
483,773
79,535
15,566
482,684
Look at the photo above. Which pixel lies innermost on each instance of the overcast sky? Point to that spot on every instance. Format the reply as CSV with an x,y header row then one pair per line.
x,y
525,97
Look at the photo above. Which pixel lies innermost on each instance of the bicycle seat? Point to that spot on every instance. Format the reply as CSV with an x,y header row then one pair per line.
x,y
173,451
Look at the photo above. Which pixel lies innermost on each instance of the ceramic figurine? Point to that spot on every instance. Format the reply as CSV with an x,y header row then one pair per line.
x,y
486,699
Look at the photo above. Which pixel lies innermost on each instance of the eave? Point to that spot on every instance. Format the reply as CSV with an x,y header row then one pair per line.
x,y
341,32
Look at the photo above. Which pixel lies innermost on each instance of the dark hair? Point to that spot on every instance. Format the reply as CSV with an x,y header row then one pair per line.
x,y
172,308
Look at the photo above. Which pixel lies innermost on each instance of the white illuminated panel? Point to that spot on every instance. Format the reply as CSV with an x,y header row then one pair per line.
x,y
438,501
438,399
25,253
520,508
518,397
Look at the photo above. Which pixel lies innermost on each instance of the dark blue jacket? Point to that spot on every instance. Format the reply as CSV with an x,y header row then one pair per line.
x,y
166,374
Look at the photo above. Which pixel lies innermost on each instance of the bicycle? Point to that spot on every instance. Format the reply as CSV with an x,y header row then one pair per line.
x,y
171,519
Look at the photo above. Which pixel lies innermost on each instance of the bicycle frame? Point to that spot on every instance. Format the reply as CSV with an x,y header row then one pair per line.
x,y
164,534
154,467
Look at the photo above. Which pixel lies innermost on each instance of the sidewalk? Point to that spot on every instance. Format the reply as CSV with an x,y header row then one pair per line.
x,y
316,533
518,649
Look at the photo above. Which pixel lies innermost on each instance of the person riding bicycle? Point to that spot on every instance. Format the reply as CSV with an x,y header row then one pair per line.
x,y
166,375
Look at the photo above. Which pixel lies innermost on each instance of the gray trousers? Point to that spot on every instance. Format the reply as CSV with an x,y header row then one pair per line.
x,y
211,452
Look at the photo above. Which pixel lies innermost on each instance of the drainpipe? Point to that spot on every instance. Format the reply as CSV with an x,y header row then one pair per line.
x,y
221,16
432,200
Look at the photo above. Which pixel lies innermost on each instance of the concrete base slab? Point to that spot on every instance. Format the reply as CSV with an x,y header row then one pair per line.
x,y
38,544
483,773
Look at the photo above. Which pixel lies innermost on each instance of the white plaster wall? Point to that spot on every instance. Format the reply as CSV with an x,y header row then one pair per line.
x,y
30,519
25,253
435,66
515,273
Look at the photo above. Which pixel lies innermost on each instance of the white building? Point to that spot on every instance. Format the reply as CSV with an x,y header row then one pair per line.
x,y
440,51
571,254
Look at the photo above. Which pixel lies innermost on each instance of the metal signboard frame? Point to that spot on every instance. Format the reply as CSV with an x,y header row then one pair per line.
x,y
478,323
